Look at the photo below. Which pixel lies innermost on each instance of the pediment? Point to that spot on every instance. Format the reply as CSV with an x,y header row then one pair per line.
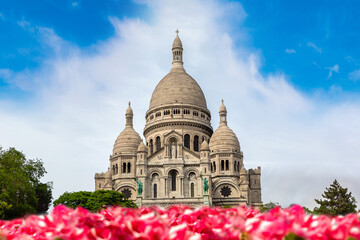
x,y
158,156
189,155
174,134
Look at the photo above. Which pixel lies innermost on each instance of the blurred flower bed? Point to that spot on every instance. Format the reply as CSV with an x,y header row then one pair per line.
x,y
181,222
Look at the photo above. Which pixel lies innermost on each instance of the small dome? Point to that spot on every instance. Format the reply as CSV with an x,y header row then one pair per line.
x,y
129,110
177,42
224,139
222,107
127,141
141,147
204,146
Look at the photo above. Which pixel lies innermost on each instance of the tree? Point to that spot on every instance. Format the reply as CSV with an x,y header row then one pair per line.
x,y
43,193
268,206
3,208
337,201
20,185
94,201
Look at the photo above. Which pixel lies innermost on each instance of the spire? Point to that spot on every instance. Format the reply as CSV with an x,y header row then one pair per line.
x,y
177,50
223,113
129,116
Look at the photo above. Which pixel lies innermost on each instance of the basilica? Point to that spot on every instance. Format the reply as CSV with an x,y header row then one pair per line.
x,y
183,161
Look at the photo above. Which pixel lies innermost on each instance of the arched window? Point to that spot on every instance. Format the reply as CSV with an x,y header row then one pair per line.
x,y
212,169
227,165
140,171
222,165
124,168
129,167
214,166
192,190
173,180
235,166
205,170
155,190
113,170
155,177
99,185
187,141
151,146
238,168
116,169
196,143
158,143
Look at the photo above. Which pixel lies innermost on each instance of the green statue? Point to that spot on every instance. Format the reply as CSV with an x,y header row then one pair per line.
x,y
139,187
206,185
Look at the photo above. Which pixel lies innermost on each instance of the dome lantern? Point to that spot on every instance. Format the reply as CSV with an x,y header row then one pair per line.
x,y
223,113
177,50
129,116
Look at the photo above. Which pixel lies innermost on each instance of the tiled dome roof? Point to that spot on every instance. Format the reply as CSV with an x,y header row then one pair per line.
x,y
127,141
224,139
177,43
141,147
177,87
204,146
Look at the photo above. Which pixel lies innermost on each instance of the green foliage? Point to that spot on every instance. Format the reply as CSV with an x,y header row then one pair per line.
x,y
20,184
308,211
268,206
94,201
3,208
337,201
292,236
43,193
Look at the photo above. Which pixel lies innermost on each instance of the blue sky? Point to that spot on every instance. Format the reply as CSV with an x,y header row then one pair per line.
x,y
289,73
313,43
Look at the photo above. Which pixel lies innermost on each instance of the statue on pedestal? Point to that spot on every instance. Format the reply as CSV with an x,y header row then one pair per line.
x,y
206,185
139,187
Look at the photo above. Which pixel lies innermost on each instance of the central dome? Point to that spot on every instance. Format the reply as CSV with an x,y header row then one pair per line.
x,y
177,87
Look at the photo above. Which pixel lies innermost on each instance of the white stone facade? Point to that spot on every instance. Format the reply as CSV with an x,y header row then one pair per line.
x,y
181,151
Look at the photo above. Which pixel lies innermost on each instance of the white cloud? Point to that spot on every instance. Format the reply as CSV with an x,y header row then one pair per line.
x,y
75,4
80,96
332,69
355,75
316,48
290,51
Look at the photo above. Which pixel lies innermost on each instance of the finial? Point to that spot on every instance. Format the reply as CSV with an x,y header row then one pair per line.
x,y
222,101
129,103
177,32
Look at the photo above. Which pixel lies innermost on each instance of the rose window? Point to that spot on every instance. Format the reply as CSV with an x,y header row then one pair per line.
x,y
127,193
225,191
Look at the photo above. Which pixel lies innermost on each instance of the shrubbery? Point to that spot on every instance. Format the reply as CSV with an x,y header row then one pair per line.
x,y
94,201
